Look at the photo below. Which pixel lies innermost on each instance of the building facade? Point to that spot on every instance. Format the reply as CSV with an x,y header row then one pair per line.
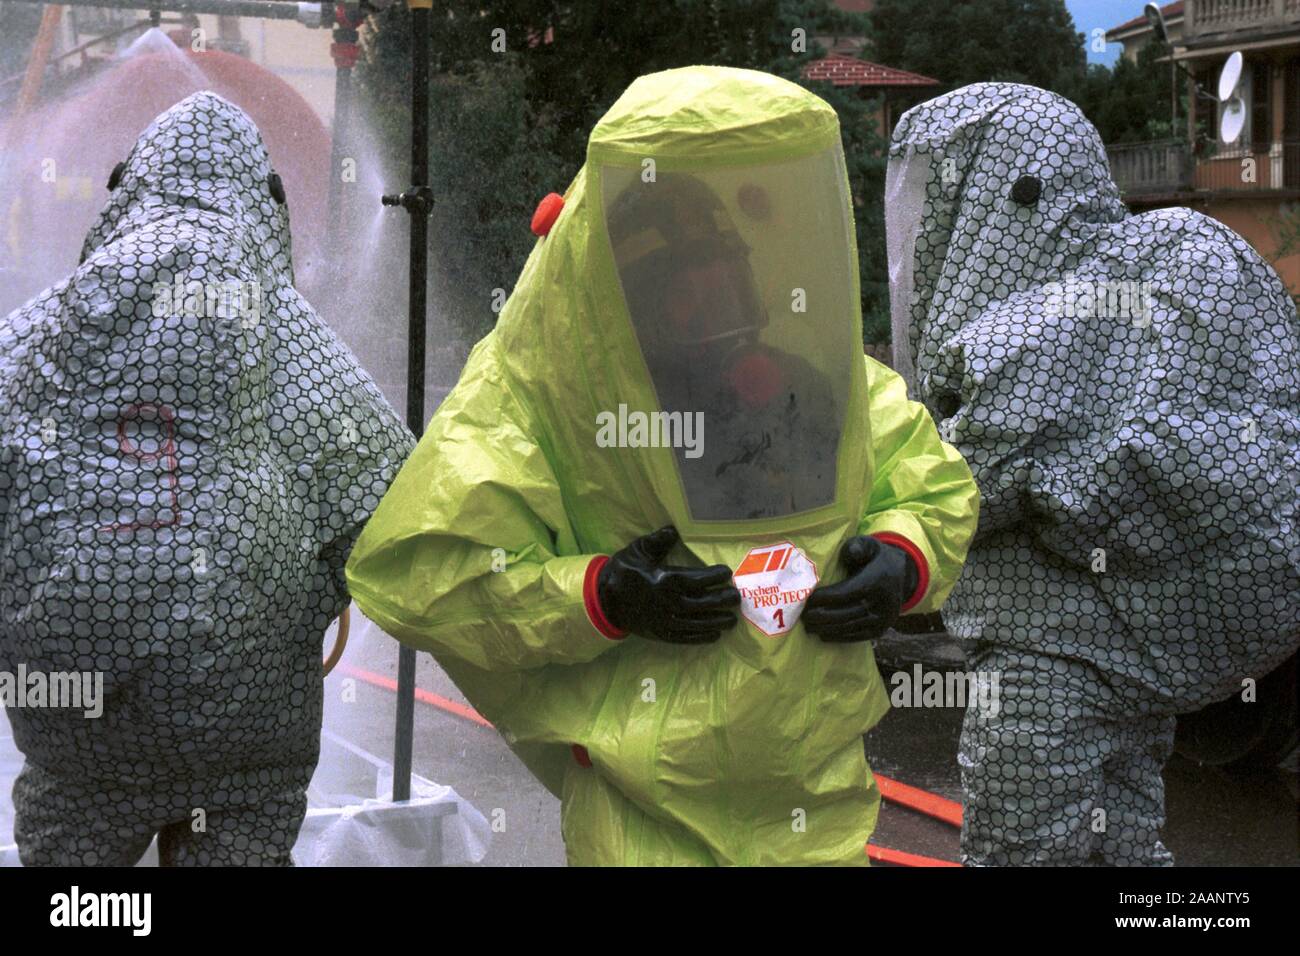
x,y
1252,182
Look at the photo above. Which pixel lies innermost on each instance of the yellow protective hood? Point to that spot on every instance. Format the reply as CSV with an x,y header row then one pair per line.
x,y
481,550
566,336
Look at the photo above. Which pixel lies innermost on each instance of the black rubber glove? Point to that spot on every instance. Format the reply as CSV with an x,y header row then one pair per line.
x,y
866,603
679,605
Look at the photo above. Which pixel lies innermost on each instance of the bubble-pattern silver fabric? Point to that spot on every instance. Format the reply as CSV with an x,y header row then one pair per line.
x,y
1057,776
179,491
1162,439
250,818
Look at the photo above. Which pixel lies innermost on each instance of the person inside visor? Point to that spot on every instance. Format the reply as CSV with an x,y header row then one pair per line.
x,y
685,262
771,417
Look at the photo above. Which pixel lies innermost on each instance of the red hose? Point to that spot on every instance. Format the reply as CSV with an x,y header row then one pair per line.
x,y
923,801
883,854
423,696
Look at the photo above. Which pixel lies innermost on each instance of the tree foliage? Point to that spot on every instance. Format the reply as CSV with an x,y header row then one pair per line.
x,y
1130,103
519,84
972,41
1027,41
510,123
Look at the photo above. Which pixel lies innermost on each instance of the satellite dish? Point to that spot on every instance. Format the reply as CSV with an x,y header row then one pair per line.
x,y
1230,77
1233,120
1157,21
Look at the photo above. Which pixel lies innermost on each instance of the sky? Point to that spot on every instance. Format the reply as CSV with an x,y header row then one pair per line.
x,y
1091,14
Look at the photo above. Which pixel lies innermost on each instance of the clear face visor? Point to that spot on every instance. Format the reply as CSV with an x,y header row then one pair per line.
x,y
740,285
905,184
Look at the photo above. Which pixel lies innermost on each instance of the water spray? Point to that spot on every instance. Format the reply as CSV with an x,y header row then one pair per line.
x,y
344,51
345,17
308,14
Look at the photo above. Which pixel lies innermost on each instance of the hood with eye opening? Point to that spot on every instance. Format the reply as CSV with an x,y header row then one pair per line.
x,y
204,155
1126,389
187,454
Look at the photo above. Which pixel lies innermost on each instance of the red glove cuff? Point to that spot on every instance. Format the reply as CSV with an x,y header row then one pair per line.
x,y
922,568
591,600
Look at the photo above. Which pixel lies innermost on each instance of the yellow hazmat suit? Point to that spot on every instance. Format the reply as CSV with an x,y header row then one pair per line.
x,y
744,751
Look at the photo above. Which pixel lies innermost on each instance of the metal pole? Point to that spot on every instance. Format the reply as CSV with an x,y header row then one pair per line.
x,y
418,206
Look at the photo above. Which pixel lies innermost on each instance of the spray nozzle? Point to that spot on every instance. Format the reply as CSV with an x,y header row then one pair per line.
x,y
416,201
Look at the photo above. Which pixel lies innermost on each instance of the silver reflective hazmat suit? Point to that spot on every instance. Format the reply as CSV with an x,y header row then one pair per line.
x,y
1126,390
187,454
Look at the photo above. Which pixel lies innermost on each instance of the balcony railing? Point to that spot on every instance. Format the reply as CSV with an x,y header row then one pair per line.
x,y
1168,168
1204,19
1250,168
1163,166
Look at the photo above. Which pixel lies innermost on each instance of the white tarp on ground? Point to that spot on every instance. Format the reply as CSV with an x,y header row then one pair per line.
x,y
351,820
